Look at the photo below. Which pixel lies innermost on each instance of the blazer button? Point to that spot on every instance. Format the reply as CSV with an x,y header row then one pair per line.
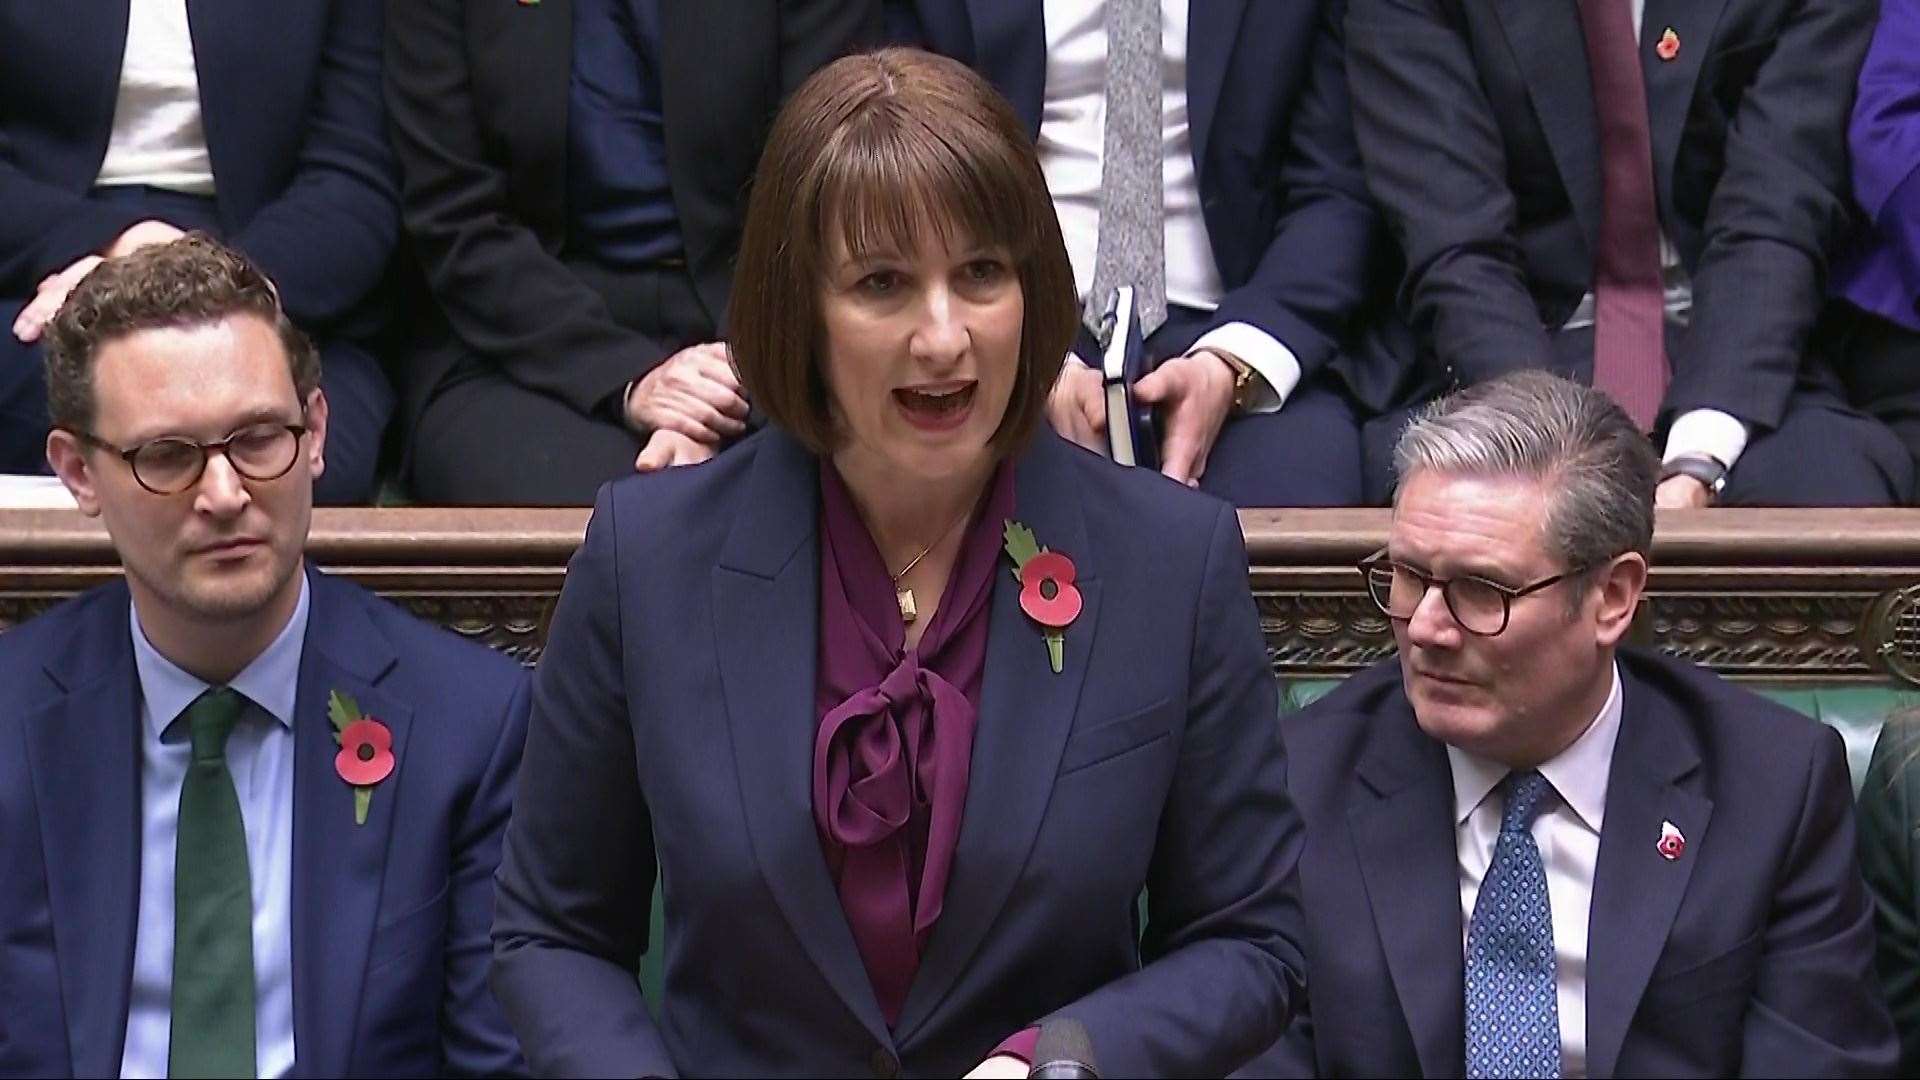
x,y
885,1065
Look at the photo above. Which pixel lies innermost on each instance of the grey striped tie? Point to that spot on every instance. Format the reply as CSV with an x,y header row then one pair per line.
x,y
1132,245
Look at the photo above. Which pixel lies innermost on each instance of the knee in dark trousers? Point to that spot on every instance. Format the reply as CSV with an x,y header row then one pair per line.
x,y
1306,454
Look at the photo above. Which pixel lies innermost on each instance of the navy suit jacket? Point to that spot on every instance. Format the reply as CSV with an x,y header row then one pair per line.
x,y
673,730
389,918
479,99
290,103
1750,955
1296,237
1476,120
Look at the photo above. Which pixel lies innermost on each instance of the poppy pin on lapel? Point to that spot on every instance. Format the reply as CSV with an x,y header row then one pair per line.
x,y
1672,841
1669,45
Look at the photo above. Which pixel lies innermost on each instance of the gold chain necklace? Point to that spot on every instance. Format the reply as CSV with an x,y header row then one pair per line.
x,y
909,611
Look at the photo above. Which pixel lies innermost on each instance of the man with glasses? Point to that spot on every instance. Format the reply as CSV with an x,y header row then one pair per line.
x,y
1532,852
249,814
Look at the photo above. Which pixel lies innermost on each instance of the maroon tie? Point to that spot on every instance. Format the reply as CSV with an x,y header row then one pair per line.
x,y
1629,353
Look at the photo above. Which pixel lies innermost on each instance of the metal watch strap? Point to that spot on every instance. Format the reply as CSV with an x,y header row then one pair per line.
x,y
1705,468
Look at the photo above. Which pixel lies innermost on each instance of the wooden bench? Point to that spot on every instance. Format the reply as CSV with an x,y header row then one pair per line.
x,y
1817,608
1819,597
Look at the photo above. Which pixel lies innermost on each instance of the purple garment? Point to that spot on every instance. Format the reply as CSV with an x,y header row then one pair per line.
x,y
895,743
1882,274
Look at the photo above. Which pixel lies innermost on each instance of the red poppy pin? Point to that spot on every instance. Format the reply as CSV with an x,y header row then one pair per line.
x,y
1047,592
1672,842
366,750
1668,46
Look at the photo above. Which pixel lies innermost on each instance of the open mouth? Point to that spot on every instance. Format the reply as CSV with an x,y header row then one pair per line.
x,y
936,406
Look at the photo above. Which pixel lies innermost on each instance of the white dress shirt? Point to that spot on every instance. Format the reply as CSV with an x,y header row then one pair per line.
x,y
1073,120
260,757
1567,831
1712,432
157,138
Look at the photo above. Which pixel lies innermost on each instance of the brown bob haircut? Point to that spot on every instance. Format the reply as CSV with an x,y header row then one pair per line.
x,y
874,145
193,281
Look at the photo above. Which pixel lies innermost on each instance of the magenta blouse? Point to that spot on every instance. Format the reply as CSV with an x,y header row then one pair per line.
x,y
895,742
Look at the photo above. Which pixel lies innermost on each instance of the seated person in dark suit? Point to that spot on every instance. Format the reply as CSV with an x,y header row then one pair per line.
x,y
1879,278
123,123
574,174
1533,853
1890,859
1205,155
1642,196
251,812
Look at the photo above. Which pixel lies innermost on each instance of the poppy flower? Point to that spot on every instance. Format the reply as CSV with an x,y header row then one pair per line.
x,y
366,753
1047,593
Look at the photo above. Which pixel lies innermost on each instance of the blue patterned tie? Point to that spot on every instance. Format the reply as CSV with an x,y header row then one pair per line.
x,y
1513,1017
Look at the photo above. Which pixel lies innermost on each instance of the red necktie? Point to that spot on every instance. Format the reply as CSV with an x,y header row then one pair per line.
x,y
1629,353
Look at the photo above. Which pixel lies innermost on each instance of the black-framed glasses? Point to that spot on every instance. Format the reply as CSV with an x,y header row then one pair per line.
x,y
1481,607
173,463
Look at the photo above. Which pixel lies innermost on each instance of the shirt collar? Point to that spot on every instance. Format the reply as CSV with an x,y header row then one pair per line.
x,y
270,681
1578,774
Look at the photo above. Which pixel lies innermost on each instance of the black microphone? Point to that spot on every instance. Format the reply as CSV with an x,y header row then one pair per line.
x,y
1063,1052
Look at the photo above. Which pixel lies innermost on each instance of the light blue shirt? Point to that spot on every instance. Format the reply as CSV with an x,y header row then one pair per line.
x,y
260,757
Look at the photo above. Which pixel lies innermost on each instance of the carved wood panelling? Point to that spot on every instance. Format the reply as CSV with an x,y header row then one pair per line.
x,y
1822,596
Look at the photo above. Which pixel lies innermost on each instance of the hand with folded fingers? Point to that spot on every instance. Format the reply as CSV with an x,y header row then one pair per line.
x,y
694,392
1194,394
1077,405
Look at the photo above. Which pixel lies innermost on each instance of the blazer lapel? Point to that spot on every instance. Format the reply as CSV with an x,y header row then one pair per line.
x,y
1552,53
338,866
1010,42
1213,28
1670,82
1637,891
1026,711
1408,861
97,46
83,752
766,603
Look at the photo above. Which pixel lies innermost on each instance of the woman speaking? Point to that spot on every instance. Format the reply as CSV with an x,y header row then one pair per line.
x,y
904,701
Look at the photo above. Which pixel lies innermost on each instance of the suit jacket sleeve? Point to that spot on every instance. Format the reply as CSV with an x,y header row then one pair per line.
x,y
1815,1010
1887,839
1435,161
475,1039
512,303
326,238
766,49
45,228
1779,208
1885,135
1314,273
576,882
1222,944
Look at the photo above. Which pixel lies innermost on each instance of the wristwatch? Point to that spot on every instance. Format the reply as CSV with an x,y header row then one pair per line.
x,y
1706,468
1243,376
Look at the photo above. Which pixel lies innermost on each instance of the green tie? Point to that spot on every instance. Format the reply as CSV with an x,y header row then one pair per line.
x,y
212,1032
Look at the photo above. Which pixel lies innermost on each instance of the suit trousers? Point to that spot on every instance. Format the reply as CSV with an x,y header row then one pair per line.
x,y
1880,363
485,440
359,397
1305,454
1825,452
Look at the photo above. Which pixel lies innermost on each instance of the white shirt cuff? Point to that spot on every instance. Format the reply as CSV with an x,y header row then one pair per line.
x,y
1706,431
1276,369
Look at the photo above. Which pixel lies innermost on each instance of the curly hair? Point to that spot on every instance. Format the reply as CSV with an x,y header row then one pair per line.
x,y
192,281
